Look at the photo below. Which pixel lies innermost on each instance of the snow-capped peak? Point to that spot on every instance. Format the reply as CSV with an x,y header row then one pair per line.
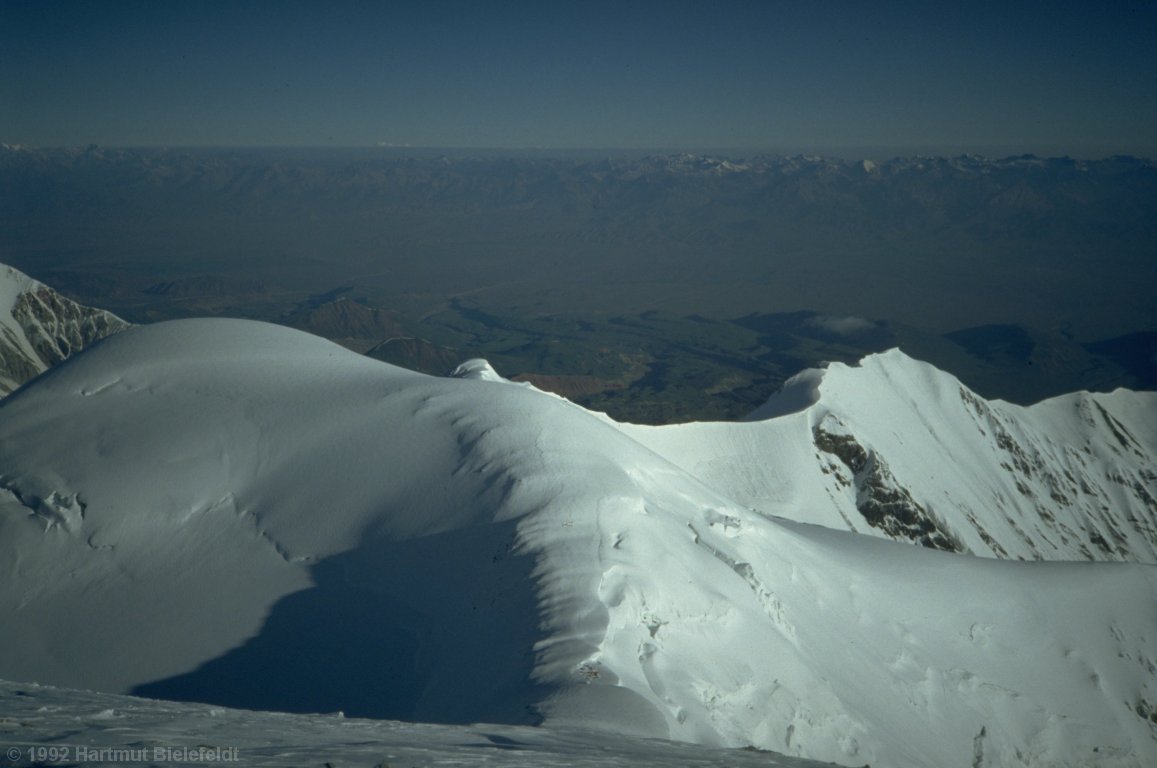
x,y
39,327
894,447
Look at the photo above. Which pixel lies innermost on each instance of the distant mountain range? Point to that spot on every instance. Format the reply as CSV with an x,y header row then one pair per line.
x,y
244,514
937,243
929,187
686,199
1026,277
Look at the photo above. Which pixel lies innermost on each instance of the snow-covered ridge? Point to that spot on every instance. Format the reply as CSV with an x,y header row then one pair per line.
x,y
39,328
191,509
894,447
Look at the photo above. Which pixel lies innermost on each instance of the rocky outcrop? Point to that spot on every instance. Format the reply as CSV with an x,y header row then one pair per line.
x,y
39,328
884,503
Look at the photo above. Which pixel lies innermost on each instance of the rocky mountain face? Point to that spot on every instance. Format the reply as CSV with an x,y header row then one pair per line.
x,y
40,328
417,355
1090,494
348,322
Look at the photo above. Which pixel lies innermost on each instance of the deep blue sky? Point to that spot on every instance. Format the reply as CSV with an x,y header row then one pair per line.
x,y
1055,77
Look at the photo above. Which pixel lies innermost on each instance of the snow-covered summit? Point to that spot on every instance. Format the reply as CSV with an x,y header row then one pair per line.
x,y
239,513
39,327
897,448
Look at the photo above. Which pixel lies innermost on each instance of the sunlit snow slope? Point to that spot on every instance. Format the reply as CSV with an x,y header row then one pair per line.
x,y
39,328
238,513
896,448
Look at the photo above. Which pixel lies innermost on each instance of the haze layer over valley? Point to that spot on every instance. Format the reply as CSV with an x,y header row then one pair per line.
x,y
658,288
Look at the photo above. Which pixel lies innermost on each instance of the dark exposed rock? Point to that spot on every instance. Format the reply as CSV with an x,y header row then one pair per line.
x,y
417,354
47,329
345,320
58,328
883,502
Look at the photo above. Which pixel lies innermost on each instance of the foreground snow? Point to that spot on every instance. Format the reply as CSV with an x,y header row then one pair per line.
x,y
100,729
241,514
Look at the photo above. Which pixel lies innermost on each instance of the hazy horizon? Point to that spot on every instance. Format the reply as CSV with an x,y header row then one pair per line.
x,y
846,154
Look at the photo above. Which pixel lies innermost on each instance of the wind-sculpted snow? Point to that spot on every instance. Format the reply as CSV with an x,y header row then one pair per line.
x,y
241,514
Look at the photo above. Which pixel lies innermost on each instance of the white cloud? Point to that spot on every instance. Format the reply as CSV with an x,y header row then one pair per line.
x,y
843,325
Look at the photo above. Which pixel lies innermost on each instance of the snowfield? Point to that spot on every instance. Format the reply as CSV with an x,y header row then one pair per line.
x,y
236,513
66,727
